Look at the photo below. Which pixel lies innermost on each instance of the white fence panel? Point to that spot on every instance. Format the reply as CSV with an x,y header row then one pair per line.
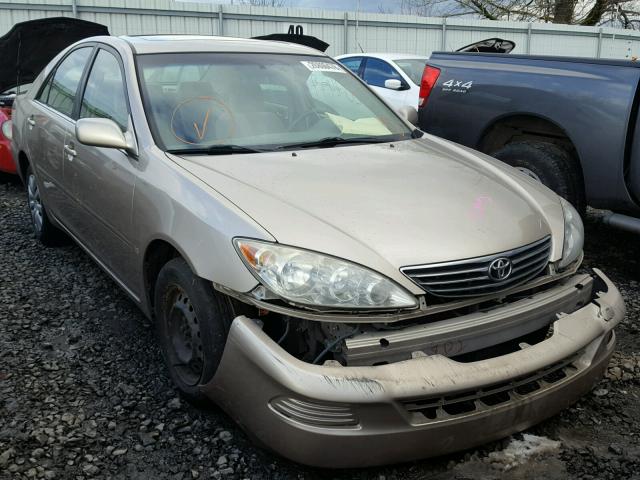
x,y
346,32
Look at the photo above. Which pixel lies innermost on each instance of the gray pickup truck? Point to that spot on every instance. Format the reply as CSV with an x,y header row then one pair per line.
x,y
571,123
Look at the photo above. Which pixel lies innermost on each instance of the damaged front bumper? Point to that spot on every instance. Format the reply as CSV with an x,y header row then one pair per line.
x,y
335,416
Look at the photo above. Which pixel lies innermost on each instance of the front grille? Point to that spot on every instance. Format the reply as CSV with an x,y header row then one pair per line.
x,y
314,413
476,401
471,277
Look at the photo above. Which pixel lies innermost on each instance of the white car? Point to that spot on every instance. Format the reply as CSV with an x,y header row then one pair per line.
x,y
394,76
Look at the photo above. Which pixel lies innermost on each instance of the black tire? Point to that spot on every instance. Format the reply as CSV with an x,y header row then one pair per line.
x,y
192,324
8,178
553,166
43,229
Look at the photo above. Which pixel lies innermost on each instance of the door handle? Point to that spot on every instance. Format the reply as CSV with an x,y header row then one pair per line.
x,y
70,151
31,121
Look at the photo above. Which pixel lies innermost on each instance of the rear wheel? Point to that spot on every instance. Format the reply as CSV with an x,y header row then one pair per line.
x,y
43,229
549,164
192,323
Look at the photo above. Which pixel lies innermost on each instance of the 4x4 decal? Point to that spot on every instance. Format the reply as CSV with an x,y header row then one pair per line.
x,y
457,86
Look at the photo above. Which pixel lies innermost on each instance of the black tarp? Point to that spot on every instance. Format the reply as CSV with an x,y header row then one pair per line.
x,y
29,46
306,40
490,45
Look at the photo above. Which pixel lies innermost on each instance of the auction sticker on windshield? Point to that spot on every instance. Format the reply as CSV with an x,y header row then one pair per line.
x,y
322,67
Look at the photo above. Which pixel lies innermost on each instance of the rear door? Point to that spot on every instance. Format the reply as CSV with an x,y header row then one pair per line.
x,y
376,72
48,123
102,179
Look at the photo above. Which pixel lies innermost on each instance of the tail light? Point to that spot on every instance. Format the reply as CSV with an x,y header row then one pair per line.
x,y
429,79
6,129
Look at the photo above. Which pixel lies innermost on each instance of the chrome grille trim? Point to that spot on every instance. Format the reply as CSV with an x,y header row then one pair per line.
x,y
314,413
470,277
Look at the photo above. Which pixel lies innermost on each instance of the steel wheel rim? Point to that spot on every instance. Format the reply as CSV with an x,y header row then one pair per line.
x,y
529,173
184,337
35,203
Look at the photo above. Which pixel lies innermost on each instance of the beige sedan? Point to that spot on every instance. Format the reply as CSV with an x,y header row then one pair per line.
x,y
352,291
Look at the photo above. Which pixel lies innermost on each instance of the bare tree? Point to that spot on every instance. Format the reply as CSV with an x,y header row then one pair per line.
x,y
617,13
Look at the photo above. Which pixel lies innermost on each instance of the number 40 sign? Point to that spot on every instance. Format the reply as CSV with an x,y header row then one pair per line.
x,y
295,30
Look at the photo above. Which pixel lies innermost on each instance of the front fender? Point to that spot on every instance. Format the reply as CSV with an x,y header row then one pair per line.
x,y
200,223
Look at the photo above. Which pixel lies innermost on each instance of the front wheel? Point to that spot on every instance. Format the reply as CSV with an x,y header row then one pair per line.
x,y
549,164
192,323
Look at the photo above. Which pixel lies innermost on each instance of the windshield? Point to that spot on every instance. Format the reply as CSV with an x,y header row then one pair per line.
x,y
413,67
195,101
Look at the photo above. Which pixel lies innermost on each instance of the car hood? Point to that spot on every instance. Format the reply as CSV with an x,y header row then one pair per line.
x,y
29,46
387,205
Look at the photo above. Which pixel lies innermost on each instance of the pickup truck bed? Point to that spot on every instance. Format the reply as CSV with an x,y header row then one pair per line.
x,y
573,122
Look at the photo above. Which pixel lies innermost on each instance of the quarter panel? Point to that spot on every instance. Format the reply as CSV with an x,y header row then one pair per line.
x,y
580,97
24,106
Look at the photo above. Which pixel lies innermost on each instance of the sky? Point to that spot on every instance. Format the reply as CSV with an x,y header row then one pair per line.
x,y
349,5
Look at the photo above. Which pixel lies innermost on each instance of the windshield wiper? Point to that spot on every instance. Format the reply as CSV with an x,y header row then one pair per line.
x,y
333,141
227,149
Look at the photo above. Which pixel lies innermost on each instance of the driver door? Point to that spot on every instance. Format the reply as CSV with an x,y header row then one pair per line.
x,y
102,179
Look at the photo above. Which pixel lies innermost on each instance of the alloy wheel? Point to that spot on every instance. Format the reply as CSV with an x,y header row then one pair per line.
x,y
35,203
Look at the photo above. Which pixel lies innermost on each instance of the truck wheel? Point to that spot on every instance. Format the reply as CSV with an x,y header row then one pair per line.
x,y
43,229
192,323
549,164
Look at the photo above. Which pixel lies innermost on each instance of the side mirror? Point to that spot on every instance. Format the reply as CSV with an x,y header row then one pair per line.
x,y
102,132
393,84
408,113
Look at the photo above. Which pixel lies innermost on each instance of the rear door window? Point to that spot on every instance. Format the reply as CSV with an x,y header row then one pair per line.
x,y
105,94
352,63
62,88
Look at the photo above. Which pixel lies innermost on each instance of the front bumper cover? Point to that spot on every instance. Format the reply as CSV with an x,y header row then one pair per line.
x,y
335,416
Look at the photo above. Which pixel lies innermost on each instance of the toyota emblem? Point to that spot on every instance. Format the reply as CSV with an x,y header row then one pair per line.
x,y
500,269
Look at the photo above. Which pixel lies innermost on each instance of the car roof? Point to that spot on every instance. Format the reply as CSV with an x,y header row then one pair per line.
x,y
386,56
146,44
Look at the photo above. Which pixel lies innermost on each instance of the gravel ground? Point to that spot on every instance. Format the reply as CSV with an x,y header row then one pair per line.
x,y
83,392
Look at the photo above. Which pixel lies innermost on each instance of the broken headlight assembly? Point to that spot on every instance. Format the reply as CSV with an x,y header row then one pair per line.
x,y
310,278
573,234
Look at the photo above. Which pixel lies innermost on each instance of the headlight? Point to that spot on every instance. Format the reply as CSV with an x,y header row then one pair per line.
x,y
6,129
311,278
573,234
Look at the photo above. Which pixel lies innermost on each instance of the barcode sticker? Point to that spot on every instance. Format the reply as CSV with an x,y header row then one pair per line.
x,y
322,67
